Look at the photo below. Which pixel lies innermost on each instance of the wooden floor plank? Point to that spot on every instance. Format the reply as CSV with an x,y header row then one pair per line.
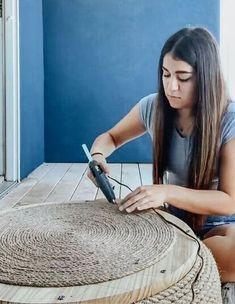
x,y
17,193
65,188
130,177
40,192
86,190
146,174
62,182
41,171
22,188
6,187
115,172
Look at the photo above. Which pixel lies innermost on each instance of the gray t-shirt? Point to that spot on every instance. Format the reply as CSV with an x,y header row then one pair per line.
x,y
179,154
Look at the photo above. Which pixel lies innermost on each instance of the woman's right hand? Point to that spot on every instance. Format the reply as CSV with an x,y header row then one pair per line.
x,y
102,163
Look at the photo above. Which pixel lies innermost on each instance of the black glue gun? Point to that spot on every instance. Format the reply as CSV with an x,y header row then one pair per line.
x,y
100,177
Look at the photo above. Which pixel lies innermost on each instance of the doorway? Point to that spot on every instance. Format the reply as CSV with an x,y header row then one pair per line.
x,y
2,105
227,44
9,95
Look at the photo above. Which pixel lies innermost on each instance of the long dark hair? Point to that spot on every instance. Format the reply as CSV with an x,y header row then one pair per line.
x,y
198,48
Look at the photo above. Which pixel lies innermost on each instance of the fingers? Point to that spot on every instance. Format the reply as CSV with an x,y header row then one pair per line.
x,y
141,204
91,177
130,195
145,205
133,200
105,168
103,165
142,198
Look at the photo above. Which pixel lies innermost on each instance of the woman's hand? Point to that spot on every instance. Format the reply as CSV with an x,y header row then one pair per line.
x,y
102,163
144,197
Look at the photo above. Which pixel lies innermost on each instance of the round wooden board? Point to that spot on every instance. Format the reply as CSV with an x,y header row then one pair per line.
x,y
129,289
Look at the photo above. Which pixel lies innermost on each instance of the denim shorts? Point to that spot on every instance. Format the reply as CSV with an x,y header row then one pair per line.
x,y
211,222
215,221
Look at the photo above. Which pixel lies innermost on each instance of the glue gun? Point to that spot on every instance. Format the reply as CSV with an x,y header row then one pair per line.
x,y
100,177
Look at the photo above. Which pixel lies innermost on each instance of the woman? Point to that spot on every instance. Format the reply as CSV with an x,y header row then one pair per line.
x,y
192,125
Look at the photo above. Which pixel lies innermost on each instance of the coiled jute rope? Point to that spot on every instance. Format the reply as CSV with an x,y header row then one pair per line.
x,y
76,244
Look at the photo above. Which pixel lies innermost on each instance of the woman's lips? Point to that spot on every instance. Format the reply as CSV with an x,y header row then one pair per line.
x,y
174,97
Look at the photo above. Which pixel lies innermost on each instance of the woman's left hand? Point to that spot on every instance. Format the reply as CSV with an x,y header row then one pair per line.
x,y
144,197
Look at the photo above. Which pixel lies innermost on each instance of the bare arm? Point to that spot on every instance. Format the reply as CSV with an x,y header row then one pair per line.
x,y
207,202
217,202
125,130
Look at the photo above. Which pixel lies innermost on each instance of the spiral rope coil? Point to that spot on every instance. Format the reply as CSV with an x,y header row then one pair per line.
x,y
76,244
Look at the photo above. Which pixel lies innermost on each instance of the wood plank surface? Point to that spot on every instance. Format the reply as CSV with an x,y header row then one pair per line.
x,y
60,182
26,185
66,187
85,190
42,189
146,174
130,177
41,171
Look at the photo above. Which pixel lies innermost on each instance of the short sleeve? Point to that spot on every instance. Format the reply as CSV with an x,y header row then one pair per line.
x,y
228,124
146,111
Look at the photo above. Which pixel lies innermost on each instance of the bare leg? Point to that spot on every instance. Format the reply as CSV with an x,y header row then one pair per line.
x,y
221,242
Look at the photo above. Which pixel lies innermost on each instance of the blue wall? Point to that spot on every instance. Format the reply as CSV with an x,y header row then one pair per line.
x,y
31,86
100,59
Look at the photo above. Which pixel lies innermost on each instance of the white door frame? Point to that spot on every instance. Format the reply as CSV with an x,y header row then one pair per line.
x,y
2,106
12,95
227,43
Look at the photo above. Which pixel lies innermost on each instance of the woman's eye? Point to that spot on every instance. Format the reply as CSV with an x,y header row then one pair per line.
x,y
184,79
179,79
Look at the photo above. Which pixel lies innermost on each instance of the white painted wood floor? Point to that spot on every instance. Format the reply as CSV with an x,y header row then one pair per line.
x,y
58,182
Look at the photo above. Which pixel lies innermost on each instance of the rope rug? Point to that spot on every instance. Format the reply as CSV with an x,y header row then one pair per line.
x,y
59,245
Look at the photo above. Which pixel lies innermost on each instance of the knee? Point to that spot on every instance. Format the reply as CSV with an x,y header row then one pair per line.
x,y
222,248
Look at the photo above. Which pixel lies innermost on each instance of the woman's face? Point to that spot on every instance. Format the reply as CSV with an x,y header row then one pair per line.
x,y
179,82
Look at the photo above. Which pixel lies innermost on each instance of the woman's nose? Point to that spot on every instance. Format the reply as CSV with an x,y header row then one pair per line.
x,y
173,84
